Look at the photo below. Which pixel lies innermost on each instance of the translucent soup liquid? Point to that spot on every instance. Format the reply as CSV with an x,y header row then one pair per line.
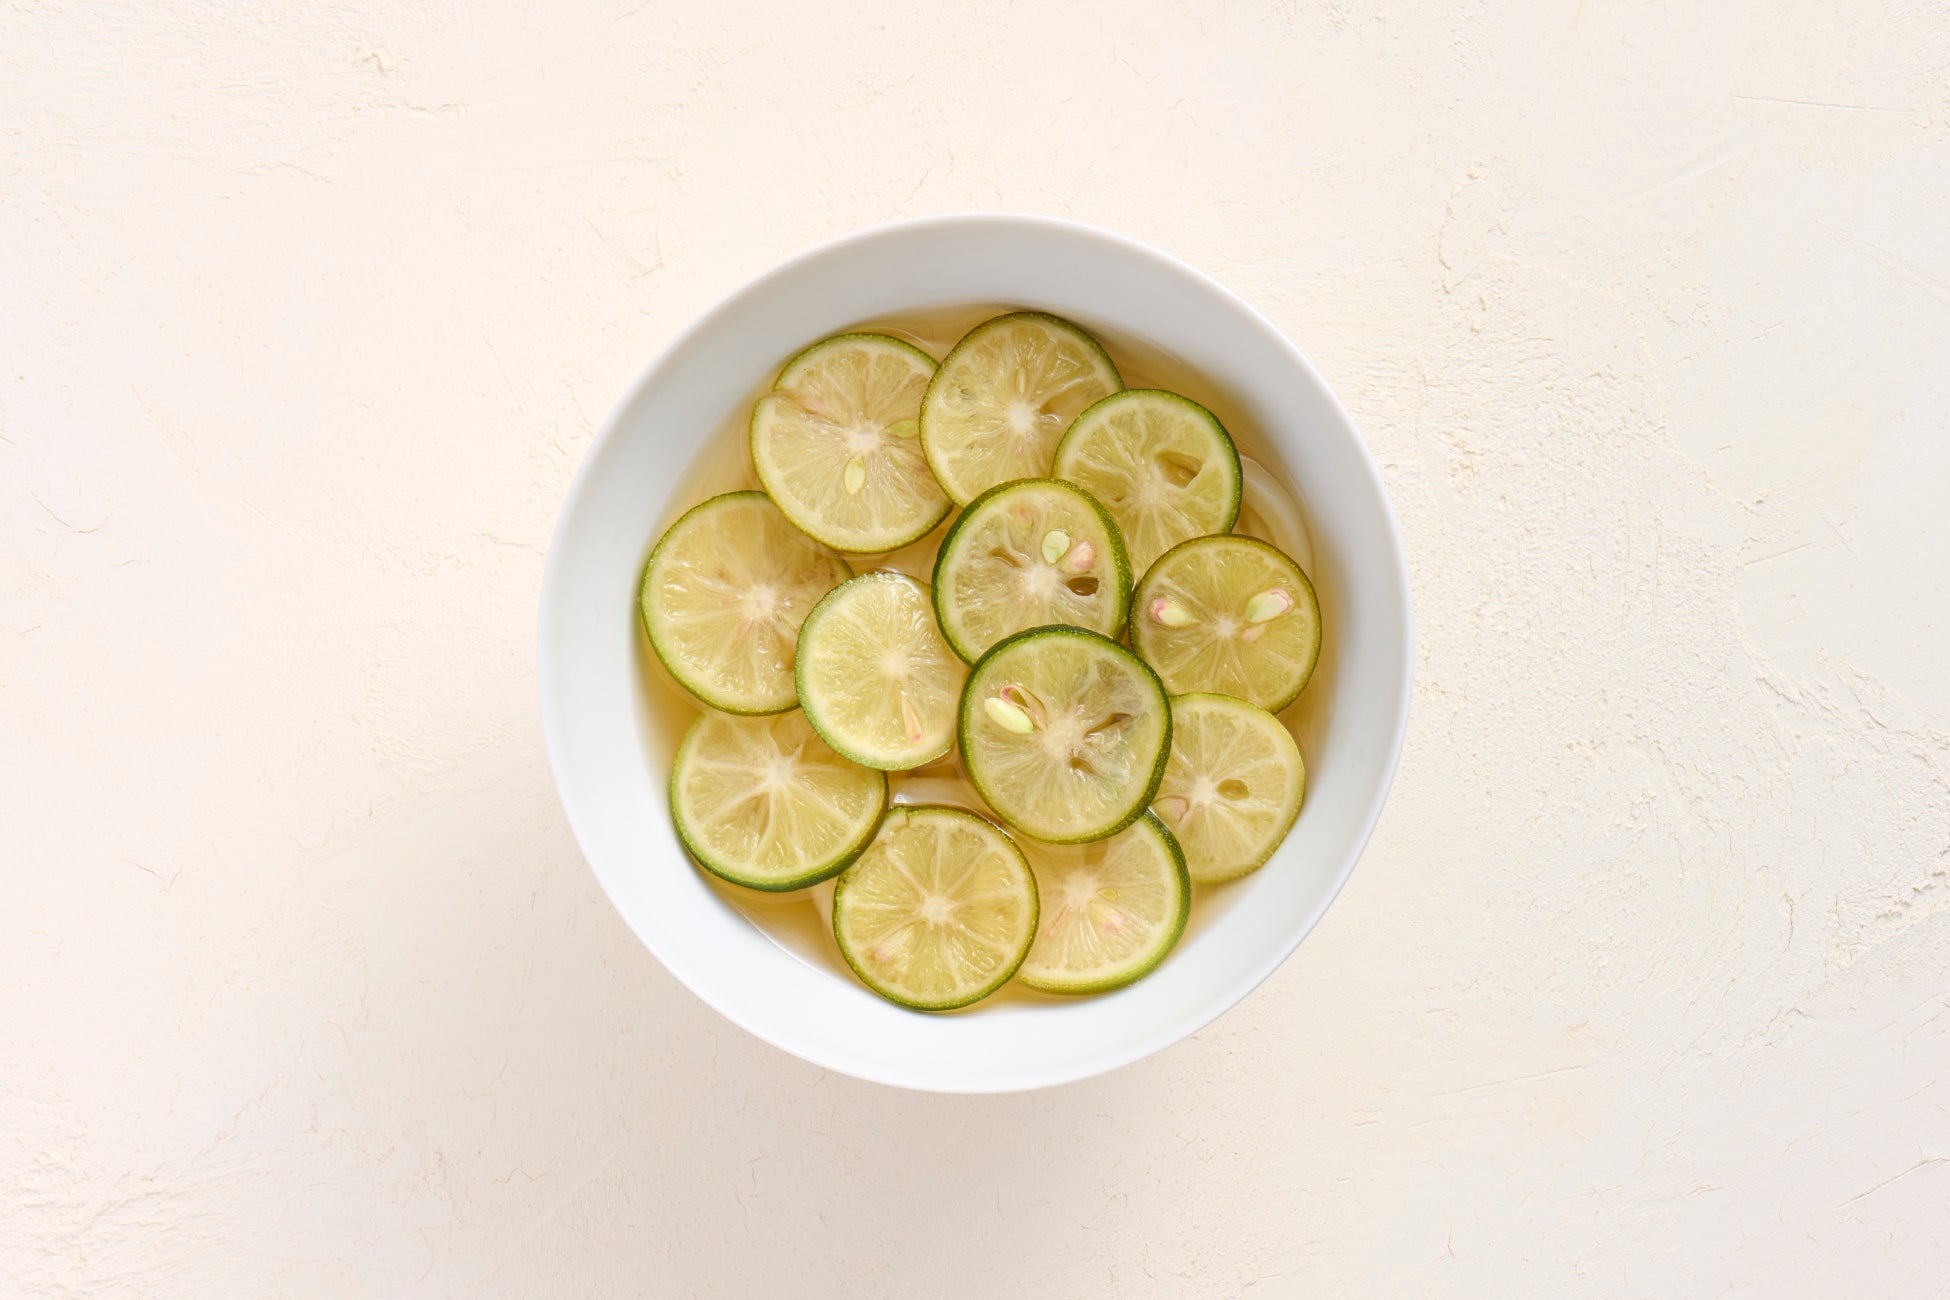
x,y
1270,510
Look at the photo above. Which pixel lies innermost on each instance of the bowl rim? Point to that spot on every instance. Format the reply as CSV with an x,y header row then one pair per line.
x,y
1170,1031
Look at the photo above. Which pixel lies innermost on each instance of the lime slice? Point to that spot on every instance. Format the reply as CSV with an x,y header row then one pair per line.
x,y
836,443
1029,554
875,678
1004,396
1111,910
723,596
1228,614
1233,786
1065,734
1162,465
938,912
764,803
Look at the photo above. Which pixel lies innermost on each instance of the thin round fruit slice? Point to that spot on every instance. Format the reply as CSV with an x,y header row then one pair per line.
x,y
1228,614
765,803
875,678
1111,910
1162,465
938,912
723,596
1030,554
837,443
1065,734
1233,786
1003,397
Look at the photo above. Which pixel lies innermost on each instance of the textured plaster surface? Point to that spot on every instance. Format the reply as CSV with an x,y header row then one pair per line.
x,y
307,313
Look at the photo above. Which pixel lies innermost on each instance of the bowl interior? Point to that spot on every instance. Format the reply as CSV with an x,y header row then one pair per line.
x,y
610,755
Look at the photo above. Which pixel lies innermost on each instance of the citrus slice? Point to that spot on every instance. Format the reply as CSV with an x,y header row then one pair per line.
x,y
1003,397
1228,614
723,596
837,443
1110,910
765,803
875,678
1232,787
1162,465
938,912
1065,734
1029,554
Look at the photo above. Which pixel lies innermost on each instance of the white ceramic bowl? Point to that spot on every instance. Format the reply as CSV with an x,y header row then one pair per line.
x,y
611,765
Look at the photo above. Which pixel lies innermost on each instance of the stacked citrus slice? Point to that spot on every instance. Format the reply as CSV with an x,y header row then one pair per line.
x,y
1093,747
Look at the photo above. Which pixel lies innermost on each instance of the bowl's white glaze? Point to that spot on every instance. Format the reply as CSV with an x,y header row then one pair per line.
x,y
610,768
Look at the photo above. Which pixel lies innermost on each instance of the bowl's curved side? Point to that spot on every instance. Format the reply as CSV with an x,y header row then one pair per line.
x,y
589,670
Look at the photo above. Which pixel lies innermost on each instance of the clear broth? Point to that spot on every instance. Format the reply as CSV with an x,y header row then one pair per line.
x,y
1271,510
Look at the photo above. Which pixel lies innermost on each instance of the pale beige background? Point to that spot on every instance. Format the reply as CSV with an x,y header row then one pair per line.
x,y
307,313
